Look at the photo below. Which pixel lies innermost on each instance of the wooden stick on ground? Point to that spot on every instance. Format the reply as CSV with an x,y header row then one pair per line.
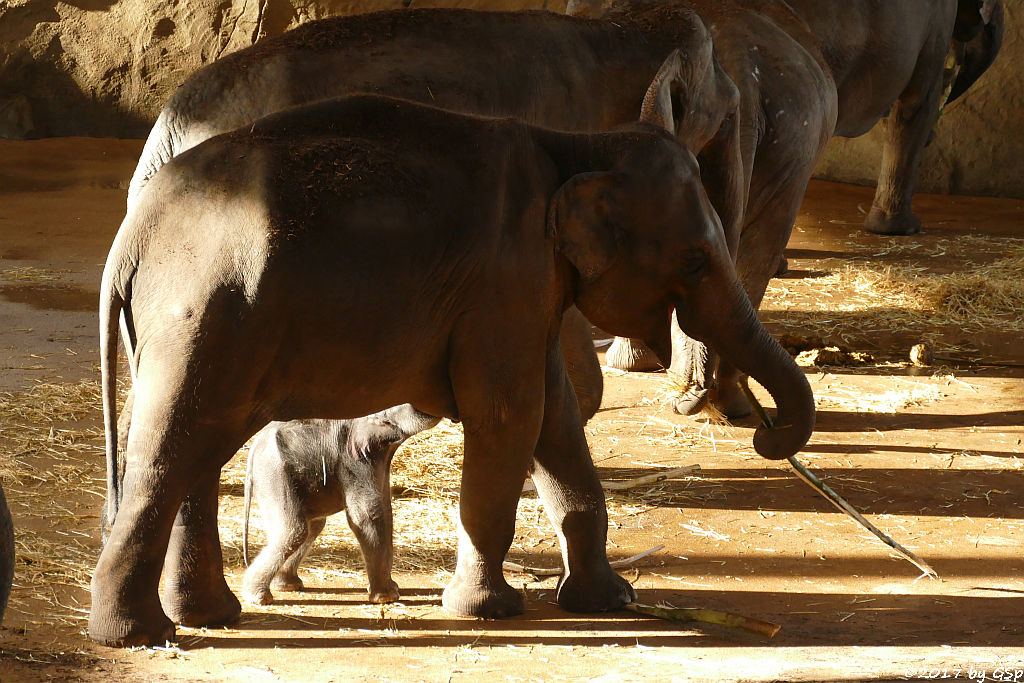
x,y
557,571
707,616
821,487
633,483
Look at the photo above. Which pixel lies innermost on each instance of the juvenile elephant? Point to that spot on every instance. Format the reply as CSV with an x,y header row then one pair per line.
x,y
437,253
6,554
303,471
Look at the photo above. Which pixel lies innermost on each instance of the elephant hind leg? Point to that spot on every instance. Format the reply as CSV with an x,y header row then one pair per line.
x,y
287,577
907,130
286,534
195,592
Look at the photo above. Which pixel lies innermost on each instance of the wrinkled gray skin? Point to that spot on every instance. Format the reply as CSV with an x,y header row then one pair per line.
x,y
6,553
303,471
807,70
452,306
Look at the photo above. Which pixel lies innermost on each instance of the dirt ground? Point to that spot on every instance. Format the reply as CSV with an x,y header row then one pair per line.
x,y
931,455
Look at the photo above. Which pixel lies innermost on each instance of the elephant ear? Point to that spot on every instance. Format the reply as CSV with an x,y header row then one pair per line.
x,y
971,16
578,219
665,94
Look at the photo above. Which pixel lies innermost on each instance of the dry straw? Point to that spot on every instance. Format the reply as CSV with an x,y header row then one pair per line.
x,y
986,292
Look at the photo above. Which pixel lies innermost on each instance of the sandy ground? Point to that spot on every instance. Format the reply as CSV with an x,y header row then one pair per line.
x,y
933,456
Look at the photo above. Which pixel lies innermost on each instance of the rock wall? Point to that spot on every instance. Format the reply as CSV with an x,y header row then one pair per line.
x,y
105,67
979,141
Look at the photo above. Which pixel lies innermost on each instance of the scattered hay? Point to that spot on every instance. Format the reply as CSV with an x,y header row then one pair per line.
x,y
889,402
33,274
51,463
979,295
832,356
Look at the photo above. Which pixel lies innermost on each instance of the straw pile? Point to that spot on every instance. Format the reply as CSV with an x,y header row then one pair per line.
x,y
987,293
51,465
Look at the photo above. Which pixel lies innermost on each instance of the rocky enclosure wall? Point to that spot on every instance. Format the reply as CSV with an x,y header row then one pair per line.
x,y
105,67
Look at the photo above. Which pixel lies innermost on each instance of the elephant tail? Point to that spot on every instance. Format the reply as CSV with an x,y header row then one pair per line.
x,y
248,502
111,305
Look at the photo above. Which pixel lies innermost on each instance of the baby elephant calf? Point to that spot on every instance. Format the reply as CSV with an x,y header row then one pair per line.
x,y
305,470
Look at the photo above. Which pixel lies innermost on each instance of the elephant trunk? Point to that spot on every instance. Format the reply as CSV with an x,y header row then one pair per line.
x,y
740,338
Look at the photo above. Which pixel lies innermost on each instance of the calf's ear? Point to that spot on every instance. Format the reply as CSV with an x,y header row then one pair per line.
x,y
579,220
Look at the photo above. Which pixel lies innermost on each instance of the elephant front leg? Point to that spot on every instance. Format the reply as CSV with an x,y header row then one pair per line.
x,y
493,472
574,501
693,366
368,508
906,133
195,592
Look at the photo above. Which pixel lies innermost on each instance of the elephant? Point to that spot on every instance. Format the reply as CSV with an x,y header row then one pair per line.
x,y
807,70
6,553
817,61
436,253
559,71
305,470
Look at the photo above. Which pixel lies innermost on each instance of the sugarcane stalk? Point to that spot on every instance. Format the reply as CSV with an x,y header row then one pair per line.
x,y
558,571
707,616
825,490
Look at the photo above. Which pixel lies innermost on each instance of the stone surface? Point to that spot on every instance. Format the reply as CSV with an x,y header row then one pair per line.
x,y
978,147
105,67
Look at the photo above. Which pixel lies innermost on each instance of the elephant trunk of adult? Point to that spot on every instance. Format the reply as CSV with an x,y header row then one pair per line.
x,y
735,332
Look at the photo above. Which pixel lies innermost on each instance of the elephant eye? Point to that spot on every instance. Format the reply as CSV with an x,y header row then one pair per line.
x,y
693,262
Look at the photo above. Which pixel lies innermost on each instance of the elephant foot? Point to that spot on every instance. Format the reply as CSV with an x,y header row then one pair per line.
x,y
121,631
474,600
599,591
692,401
387,594
287,582
632,356
782,268
881,223
257,596
732,402
190,608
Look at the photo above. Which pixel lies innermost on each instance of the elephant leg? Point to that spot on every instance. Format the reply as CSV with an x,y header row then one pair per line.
x,y
693,364
501,410
287,577
632,355
287,533
195,592
581,362
906,133
368,509
126,607
567,482
6,553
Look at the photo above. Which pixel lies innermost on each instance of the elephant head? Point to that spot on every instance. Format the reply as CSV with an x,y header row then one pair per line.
x,y
977,38
644,239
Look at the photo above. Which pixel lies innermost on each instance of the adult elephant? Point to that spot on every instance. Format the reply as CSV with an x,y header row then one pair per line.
x,y
434,254
560,71
6,553
807,70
